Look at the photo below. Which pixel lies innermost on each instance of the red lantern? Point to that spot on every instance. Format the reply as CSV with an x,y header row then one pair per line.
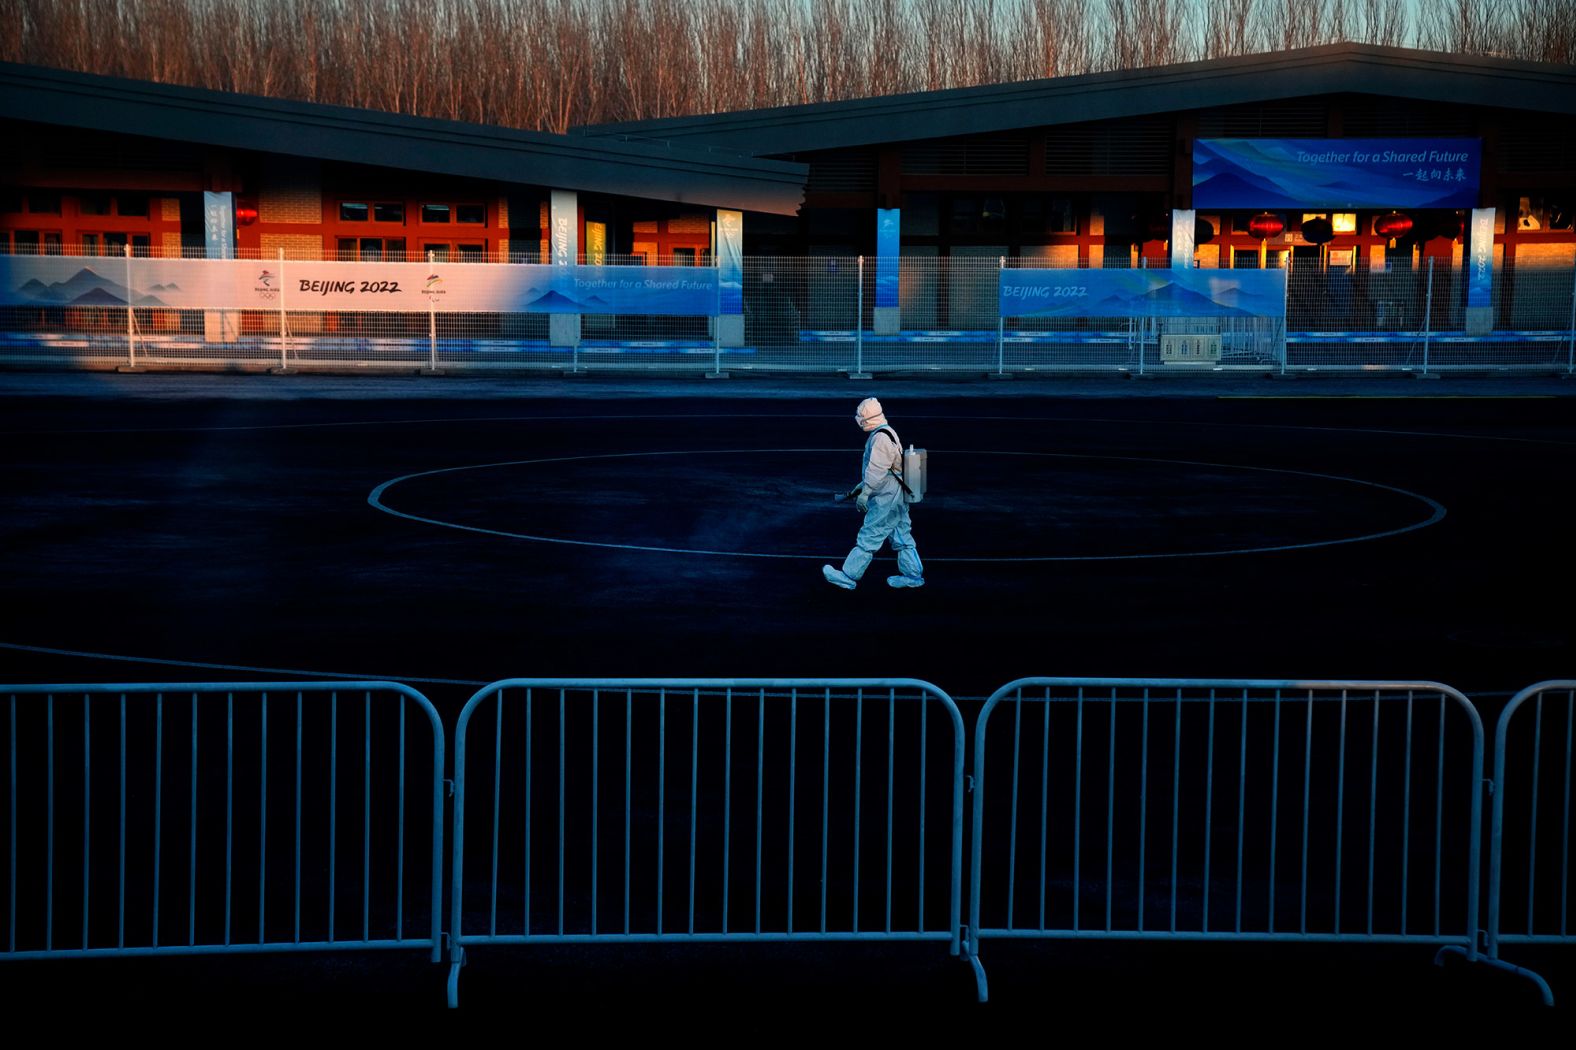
x,y
245,215
1265,225
1318,231
1393,226
1448,225
1203,232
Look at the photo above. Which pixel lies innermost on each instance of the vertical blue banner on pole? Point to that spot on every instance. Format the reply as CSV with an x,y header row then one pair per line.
x,y
730,261
1480,275
563,214
1184,234
564,237
888,255
218,224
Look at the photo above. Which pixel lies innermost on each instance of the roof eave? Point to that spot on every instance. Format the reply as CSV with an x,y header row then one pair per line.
x,y
687,175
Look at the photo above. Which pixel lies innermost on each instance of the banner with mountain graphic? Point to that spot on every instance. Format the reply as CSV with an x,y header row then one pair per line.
x,y
1143,293
1335,173
417,287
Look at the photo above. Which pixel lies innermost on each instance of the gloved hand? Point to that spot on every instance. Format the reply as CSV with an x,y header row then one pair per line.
x,y
863,502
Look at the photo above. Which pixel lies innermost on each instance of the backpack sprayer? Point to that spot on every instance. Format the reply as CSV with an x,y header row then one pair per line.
x,y
914,477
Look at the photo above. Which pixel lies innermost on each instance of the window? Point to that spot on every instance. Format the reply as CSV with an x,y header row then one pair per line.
x,y
10,200
371,249
115,243
31,242
94,204
1536,212
464,214
921,215
132,205
467,252
90,244
683,256
978,214
361,211
43,203
1048,215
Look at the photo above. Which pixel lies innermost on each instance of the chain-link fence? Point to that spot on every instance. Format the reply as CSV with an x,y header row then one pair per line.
x,y
1419,319
816,313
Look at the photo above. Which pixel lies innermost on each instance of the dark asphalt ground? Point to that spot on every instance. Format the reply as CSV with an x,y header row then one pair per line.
x,y
1078,528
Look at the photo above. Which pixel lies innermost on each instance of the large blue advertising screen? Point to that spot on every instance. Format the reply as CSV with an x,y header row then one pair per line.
x,y
1335,173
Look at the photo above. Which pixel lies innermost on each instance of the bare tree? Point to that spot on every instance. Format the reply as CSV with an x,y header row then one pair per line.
x,y
1145,33
554,64
1231,27
1463,26
1542,30
1061,42
1383,22
1293,24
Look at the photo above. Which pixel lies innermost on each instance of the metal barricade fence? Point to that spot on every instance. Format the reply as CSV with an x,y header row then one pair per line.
x,y
1529,873
693,810
206,818
1288,811
1407,318
814,313
1130,345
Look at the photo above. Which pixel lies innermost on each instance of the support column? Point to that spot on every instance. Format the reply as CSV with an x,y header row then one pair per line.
x,y
218,224
564,248
1479,316
730,278
1184,226
886,315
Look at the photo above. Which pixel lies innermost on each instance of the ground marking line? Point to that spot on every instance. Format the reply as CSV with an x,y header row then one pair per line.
x,y
46,650
375,499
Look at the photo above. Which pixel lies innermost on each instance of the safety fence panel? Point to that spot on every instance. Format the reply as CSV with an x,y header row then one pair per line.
x,y
1530,835
706,810
802,313
1087,319
1226,810
1415,318
284,308
214,818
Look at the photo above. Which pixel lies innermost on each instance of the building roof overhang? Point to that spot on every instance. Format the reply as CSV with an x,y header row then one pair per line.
x,y
1334,69
694,173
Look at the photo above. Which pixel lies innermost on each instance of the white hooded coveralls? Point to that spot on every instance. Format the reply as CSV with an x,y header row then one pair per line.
x,y
886,517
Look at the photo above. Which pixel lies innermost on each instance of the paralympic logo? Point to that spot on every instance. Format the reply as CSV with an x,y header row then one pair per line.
x,y
433,288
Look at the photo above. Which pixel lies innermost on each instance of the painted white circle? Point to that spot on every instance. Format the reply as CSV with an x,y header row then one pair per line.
x,y
1435,513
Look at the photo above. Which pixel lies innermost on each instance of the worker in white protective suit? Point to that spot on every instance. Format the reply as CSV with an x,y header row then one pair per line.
x,y
880,500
